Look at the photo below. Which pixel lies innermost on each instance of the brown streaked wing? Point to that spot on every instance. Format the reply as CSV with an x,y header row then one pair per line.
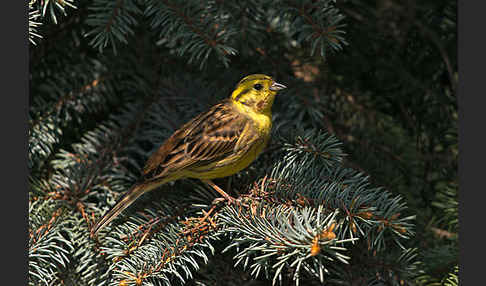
x,y
209,137
217,136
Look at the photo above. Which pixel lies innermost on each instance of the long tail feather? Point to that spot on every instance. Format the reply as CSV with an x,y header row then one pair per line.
x,y
125,201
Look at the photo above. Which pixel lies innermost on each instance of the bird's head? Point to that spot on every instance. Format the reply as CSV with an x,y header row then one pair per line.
x,y
256,92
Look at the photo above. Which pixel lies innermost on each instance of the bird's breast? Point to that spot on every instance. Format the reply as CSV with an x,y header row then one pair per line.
x,y
262,123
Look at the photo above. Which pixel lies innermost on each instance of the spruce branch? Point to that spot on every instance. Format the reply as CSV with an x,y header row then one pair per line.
x,y
316,22
453,277
191,28
268,239
112,21
52,7
93,166
390,268
33,25
447,202
166,241
278,224
51,114
97,162
48,245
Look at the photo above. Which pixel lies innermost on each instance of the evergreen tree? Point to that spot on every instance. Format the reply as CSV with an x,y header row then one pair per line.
x,y
358,185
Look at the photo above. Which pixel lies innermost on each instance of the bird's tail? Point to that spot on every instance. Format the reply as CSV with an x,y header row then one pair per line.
x,y
127,199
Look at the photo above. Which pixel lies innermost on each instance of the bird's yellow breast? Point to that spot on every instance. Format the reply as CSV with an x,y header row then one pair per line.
x,y
262,121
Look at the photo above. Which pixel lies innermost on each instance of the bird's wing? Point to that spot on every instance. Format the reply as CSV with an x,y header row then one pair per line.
x,y
209,137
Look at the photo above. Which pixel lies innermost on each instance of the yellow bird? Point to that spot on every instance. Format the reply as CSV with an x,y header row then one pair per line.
x,y
215,144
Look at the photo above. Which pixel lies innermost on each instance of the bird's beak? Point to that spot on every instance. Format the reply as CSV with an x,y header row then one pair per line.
x,y
277,86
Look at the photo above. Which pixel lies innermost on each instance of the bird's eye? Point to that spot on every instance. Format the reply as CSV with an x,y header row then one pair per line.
x,y
258,86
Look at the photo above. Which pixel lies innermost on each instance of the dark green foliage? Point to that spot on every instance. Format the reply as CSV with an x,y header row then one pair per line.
x,y
358,185
112,22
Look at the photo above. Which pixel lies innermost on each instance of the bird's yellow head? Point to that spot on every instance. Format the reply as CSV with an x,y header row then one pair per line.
x,y
256,92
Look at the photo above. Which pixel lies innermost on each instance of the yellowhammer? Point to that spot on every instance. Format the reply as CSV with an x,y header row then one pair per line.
x,y
215,144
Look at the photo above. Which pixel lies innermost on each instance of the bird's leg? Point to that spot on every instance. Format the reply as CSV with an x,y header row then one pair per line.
x,y
229,198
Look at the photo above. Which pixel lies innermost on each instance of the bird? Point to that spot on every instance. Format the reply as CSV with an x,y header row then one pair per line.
x,y
217,143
